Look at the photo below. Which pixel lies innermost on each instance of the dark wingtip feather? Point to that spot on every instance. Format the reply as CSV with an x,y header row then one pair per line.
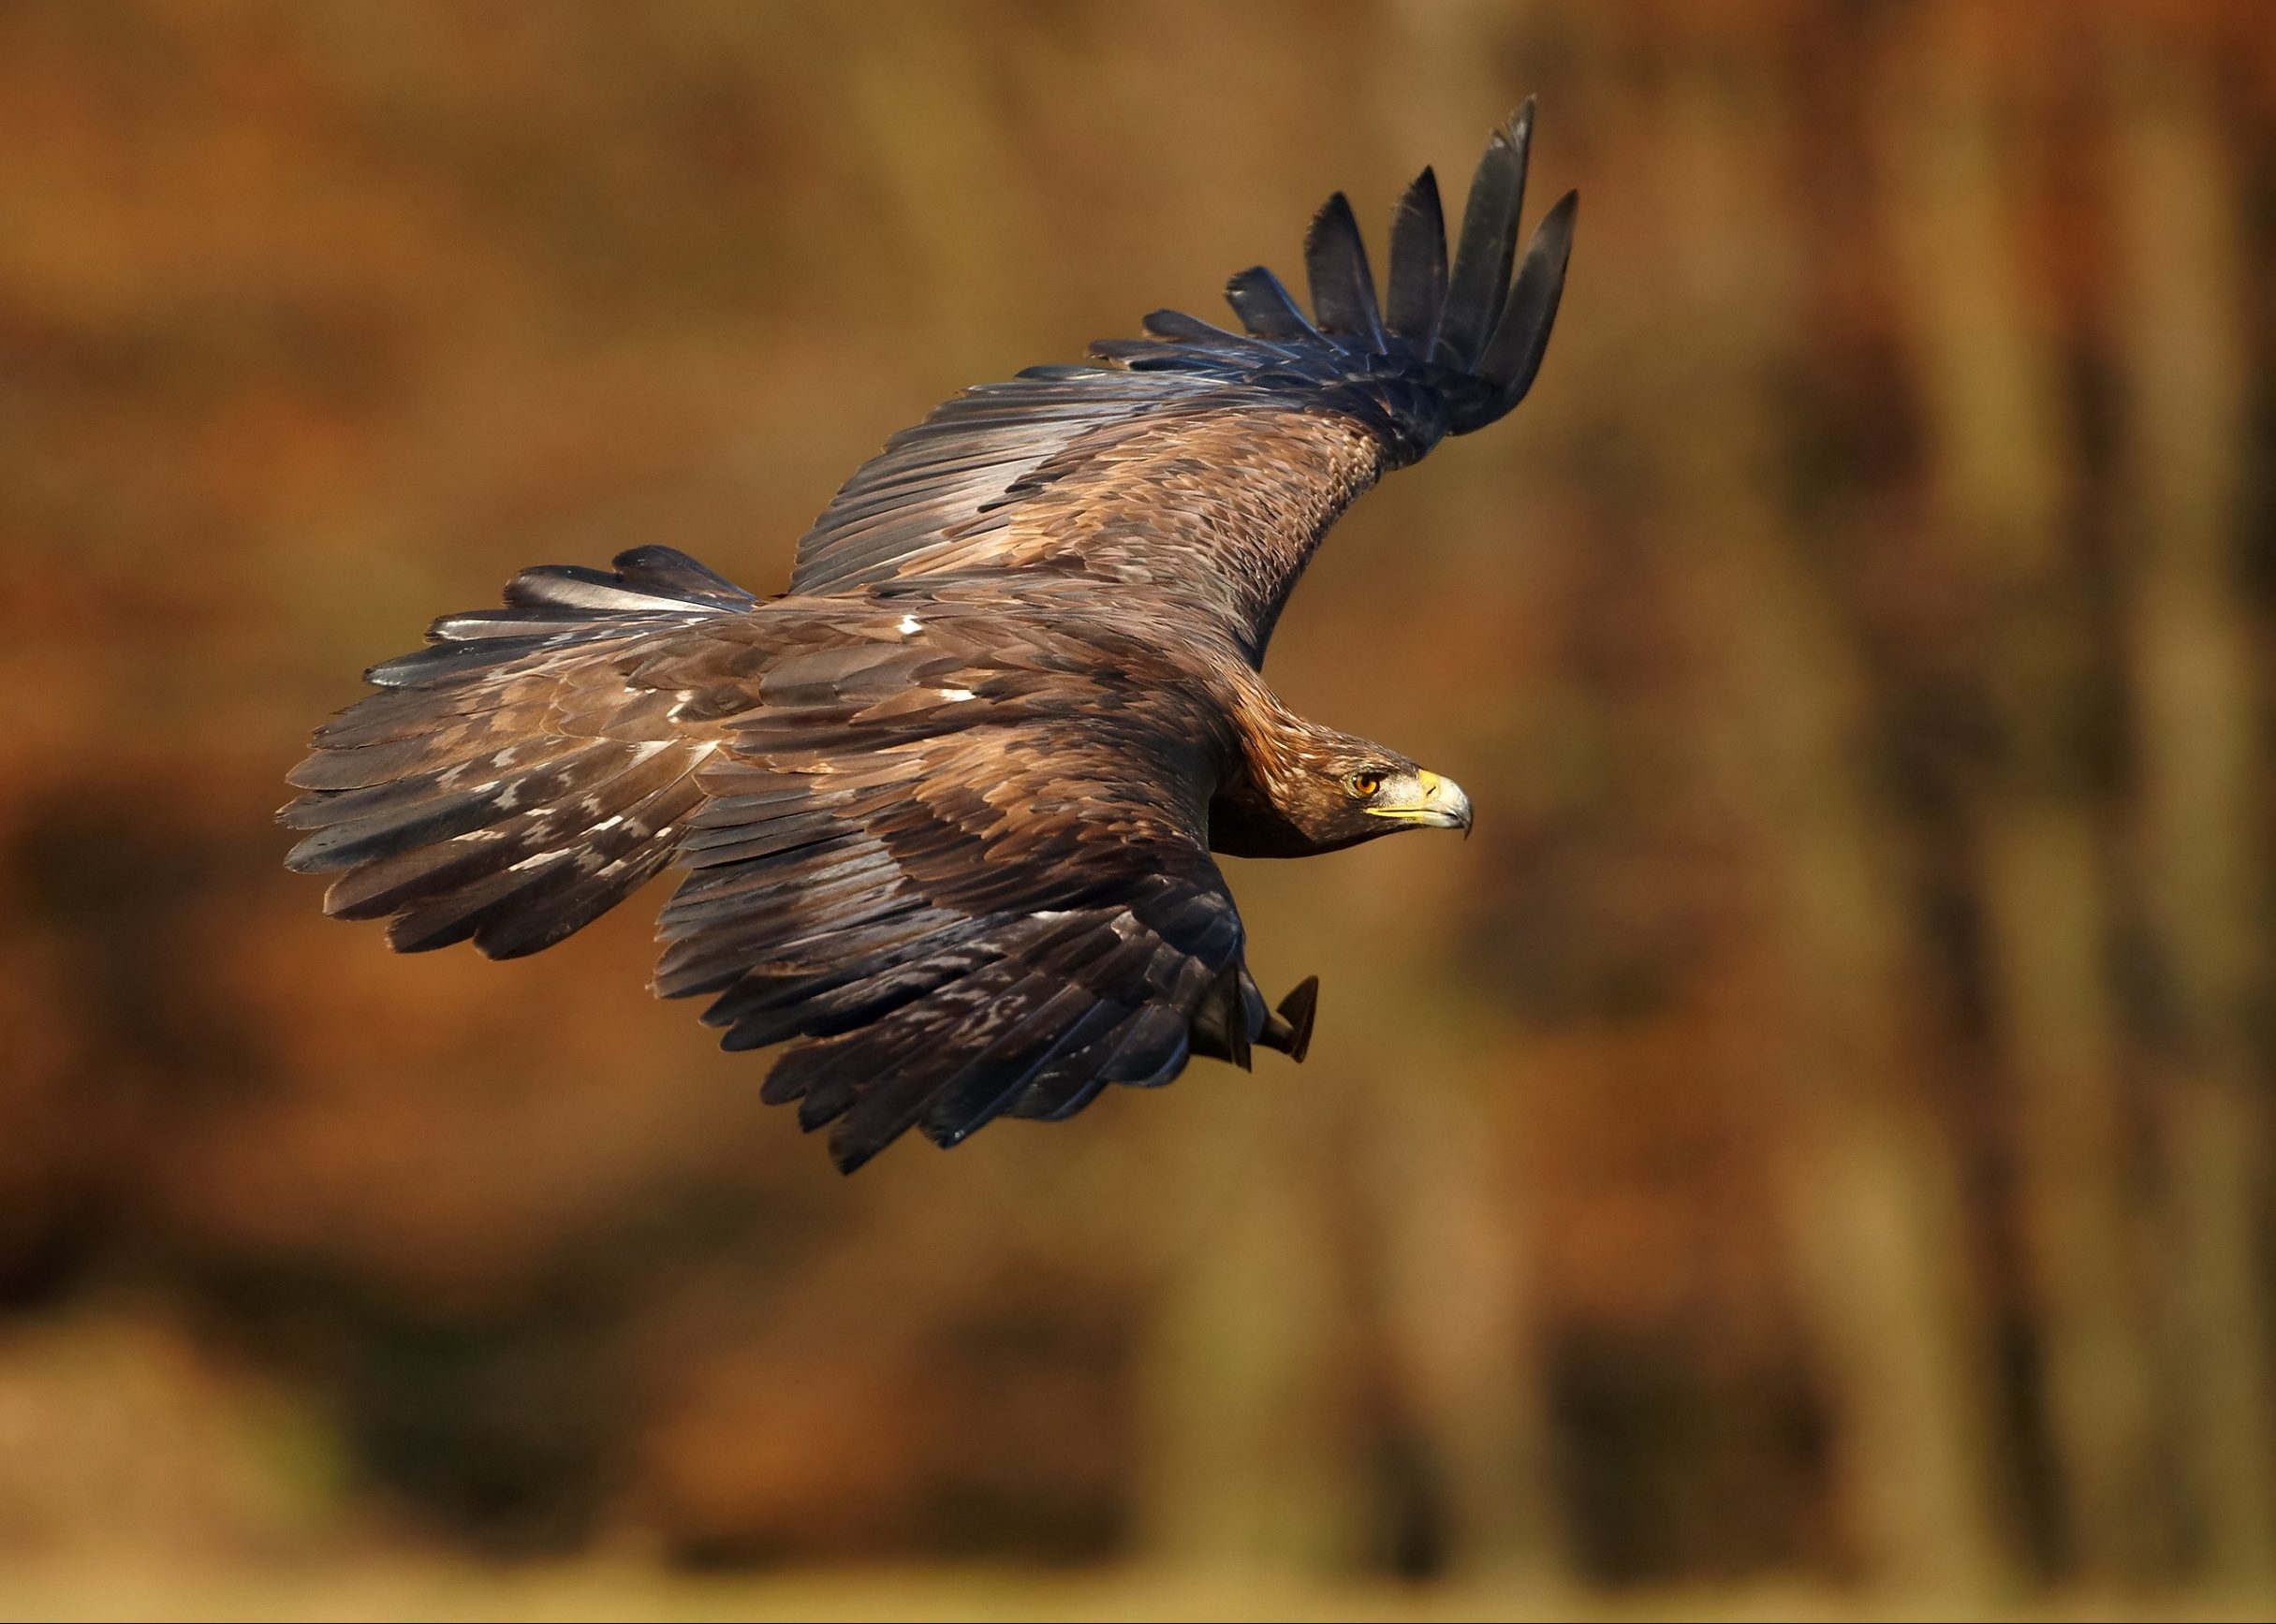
x,y
1490,239
1418,264
1513,355
667,572
1342,286
1450,347
1177,327
849,1154
1264,307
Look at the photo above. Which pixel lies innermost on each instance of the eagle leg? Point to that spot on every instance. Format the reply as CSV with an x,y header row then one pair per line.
x,y
1289,1029
1221,1027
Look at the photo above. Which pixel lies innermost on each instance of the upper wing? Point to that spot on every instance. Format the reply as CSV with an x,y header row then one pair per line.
x,y
974,900
1210,460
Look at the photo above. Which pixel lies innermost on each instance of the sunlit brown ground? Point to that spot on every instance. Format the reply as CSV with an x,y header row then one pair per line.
x,y
409,1588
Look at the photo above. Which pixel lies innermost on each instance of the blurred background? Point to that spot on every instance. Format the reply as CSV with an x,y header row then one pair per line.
x,y
1809,1151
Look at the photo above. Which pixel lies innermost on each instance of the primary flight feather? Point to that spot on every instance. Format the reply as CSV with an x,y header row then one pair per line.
x,y
947,807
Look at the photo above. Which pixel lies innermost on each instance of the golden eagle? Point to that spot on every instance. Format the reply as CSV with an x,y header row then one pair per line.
x,y
947,806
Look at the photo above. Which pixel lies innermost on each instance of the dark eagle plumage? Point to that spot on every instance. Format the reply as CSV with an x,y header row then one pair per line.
x,y
947,808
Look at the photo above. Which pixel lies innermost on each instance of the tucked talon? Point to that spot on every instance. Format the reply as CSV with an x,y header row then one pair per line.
x,y
1289,1029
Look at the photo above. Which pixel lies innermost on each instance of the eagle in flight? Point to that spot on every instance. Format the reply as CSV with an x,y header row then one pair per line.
x,y
947,806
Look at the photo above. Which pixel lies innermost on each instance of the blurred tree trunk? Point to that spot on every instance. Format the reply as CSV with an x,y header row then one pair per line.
x,y
1451,1265
1246,1454
2197,729
1452,1290
1439,90
1868,1180
1875,1217
1999,472
907,86
1329,1223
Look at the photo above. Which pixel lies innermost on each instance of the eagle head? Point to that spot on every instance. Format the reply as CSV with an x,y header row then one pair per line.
x,y
1322,790
1348,800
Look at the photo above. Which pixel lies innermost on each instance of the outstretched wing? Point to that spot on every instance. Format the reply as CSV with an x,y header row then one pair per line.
x,y
972,893
966,859
1213,461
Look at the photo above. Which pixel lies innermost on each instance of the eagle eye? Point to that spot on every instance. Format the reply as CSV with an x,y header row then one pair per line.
x,y
1364,785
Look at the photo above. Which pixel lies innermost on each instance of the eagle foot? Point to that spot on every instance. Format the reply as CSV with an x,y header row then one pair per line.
x,y
1289,1029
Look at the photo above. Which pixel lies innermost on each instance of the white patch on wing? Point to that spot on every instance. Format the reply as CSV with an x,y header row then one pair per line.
x,y
910,625
955,695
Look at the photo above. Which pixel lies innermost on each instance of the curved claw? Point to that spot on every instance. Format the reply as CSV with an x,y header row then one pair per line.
x,y
1289,1029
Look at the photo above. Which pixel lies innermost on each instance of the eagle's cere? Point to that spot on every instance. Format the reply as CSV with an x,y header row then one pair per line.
x,y
947,807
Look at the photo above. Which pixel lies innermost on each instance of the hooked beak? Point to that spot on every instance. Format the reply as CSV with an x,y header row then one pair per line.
x,y
1442,805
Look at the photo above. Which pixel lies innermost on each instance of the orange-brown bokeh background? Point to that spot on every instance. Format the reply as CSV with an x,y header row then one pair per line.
x,y
1816,1132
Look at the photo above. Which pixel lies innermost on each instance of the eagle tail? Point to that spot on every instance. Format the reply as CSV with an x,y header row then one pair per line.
x,y
510,786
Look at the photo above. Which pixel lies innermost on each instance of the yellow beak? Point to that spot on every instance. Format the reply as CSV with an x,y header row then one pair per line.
x,y
1441,805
